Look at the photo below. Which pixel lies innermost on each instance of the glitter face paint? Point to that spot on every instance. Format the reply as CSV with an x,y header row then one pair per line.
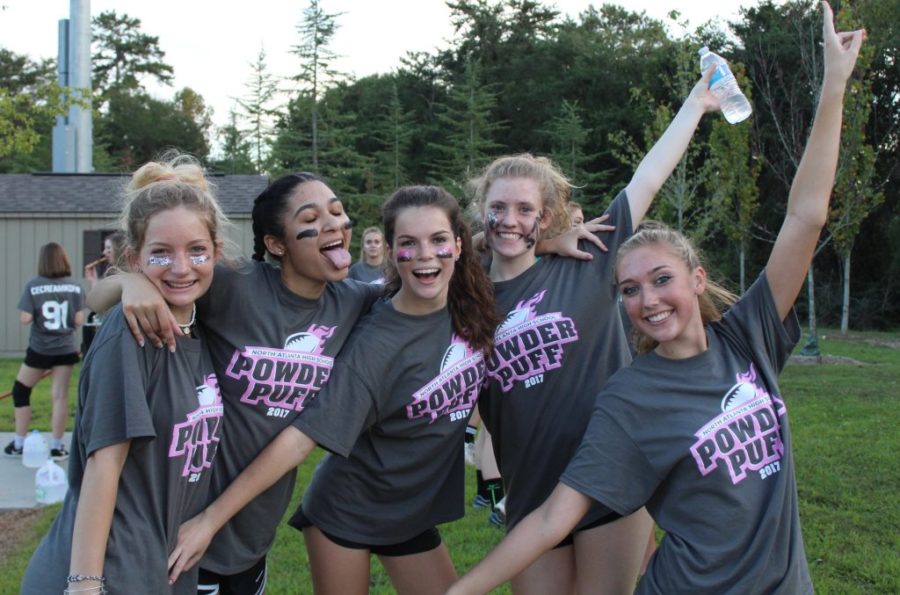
x,y
159,261
491,220
308,233
167,261
444,253
404,255
348,225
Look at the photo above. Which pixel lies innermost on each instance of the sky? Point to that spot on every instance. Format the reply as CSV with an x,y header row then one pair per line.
x,y
210,43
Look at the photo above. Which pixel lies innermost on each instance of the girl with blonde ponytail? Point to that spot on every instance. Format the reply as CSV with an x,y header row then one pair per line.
x,y
696,429
274,326
148,422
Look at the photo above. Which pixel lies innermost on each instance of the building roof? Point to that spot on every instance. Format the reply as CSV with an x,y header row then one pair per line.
x,y
100,193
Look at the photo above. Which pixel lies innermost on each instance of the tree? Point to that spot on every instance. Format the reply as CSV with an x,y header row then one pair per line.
x,y
30,99
394,133
192,105
262,89
732,184
781,54
316,32
468,126
237,150
680,200
137,128
569,139
123,56
855,195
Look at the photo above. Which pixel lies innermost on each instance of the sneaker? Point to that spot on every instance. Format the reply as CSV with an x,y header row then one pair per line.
x,y
479,502
59,454
501,506
470,453
12,451
497,518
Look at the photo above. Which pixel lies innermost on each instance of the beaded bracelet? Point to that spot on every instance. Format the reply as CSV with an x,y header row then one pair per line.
x,y
77,578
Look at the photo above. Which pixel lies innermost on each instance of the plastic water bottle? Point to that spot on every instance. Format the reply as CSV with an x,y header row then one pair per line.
x,y
35,450
735,106
50,483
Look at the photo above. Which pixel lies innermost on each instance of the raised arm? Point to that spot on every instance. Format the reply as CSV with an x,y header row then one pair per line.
x,y
658,164
93,517
289,449
807,208
537,533
142,304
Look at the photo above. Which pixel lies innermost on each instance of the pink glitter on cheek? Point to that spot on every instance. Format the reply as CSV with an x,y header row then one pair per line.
x,y
404,255
444,253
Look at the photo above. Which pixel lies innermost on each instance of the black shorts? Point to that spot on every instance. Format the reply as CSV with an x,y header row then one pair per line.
x,y
33,359
249,582
423,542
604,520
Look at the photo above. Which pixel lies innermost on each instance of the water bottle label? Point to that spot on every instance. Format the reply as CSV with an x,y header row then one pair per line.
x,y
720,75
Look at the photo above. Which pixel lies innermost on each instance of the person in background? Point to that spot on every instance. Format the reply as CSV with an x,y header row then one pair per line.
x,y
107,264
576,213
696,428
113,248
148,423
371,264
52,303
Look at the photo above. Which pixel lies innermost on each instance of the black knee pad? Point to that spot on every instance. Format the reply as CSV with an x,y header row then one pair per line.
x,y
21,394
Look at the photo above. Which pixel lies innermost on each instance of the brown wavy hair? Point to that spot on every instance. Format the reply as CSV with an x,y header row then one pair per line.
x,y
713,301
470,297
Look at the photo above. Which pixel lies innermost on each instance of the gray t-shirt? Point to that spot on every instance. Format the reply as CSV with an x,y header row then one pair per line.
x,y
561,339
363,271
54,304
169,406
705,444
272,351
397,409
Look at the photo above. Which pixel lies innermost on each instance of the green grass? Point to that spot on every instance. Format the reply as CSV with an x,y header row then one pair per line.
x,y
846,439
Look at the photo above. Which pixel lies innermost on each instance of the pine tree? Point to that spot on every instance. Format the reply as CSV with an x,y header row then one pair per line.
x,y
467,125
257,106
316,32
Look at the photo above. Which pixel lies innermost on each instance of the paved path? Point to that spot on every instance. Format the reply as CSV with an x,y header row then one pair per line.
x,y
17,480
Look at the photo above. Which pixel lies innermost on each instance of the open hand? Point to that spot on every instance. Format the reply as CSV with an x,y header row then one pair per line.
x,y
566,244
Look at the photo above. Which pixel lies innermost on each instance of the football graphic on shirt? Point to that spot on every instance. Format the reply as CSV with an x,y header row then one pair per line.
x,y
514,318
737,394
206,394
305,342
455,353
